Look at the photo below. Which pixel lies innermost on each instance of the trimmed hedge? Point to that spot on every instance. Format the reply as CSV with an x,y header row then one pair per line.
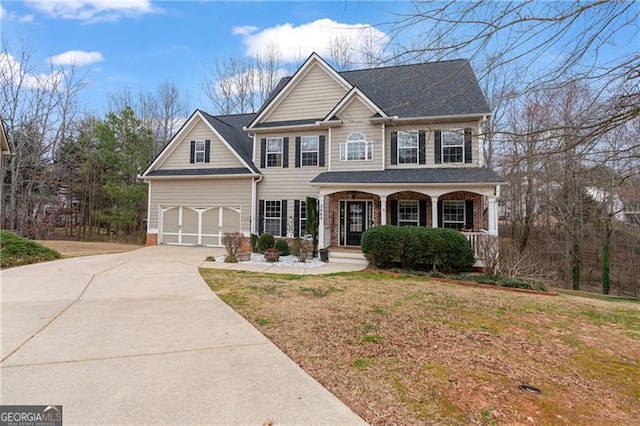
x,y
417,248
265,241
283,247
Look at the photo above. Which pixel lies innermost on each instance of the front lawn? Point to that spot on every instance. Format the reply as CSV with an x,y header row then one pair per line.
x,y
402,349
17,251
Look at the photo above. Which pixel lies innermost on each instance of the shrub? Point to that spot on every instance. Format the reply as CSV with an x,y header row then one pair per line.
x,y
382,245
16,250
265,241
417,248
302,248
254,243
232,242
231,259
453,253
283,247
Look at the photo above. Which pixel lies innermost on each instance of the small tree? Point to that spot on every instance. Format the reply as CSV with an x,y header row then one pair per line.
x,y
312,222
232,242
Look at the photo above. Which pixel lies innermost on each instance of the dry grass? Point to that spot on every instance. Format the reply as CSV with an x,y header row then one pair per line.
x,y
404,350
83,248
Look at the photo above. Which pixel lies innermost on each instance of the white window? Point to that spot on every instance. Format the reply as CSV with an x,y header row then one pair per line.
x,y
303,218
408,213
453,214
309,148
452,146
272,221
199,150
274,152
407,147
356,148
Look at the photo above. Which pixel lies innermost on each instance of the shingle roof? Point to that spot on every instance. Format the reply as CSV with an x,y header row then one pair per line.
x,y
287,123
200,172
426,176
422,90
230,128
430,89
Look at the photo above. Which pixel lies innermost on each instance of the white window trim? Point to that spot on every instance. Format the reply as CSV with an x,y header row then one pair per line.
x,y
303,151
464,213
457,132
352,139
267,153
417,204
199,148
265,217
417,147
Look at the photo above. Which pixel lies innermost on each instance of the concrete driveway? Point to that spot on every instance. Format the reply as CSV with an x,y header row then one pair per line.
x,y
138,337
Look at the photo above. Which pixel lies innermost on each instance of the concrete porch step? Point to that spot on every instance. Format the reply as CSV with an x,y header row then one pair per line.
x,y
342,256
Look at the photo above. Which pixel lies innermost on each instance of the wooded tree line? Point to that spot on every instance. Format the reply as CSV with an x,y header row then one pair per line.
x,y
564,132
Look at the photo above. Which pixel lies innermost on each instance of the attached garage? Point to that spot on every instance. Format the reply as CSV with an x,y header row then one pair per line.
x,y
202,226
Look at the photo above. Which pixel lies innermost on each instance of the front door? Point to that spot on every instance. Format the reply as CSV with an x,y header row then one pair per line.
x,y
356,221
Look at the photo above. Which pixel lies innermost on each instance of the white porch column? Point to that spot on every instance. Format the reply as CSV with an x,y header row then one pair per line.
x,y
383,210
321,243
434,211
493,216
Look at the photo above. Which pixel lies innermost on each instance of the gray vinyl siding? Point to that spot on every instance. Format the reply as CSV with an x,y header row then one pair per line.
x,y
220,155
313,97
430,143
202,193
355,118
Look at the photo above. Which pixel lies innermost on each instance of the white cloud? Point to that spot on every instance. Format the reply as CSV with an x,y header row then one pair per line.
x,y
5,15
13,70
76,57
26,18
93,10
244,30
297,42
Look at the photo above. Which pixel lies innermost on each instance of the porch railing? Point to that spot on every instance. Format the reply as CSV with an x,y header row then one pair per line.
x,y
474,238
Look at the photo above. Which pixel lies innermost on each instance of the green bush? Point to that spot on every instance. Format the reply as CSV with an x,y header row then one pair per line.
x,y
452,250
283,247
231,259
265,241
417,251
16,251
382,245
417,248
497,280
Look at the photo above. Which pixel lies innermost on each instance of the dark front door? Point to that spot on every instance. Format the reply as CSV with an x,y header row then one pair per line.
x,y
356,221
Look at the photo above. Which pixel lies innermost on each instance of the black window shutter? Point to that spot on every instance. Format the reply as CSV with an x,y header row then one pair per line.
x,y
437,135
394,212
285,152
298,149
260,216
296,218
321,150
207,150
468,214
468,149
422,157
283,218
263,152
192,154
422,212
394,147
440,214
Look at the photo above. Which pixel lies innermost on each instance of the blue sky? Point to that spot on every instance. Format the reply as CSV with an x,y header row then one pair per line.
x,y
138,44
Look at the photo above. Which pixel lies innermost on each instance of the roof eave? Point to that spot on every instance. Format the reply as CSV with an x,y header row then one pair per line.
x,y
433,118
316,125
229,176
413,184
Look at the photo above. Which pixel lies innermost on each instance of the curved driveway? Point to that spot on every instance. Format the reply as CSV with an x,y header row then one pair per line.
x,y
138,337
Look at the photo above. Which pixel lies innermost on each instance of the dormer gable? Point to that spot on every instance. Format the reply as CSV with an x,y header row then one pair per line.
x,y
315,80
352,95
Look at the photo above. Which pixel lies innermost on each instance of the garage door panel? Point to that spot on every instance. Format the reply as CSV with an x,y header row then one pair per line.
x,y
170,220
189,221
230,220
169,239
210,241
210,220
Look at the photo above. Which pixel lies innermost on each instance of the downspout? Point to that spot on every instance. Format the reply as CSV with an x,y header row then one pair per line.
x,y
254,196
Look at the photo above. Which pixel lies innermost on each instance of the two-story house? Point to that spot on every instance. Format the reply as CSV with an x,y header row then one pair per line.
x,y
393,145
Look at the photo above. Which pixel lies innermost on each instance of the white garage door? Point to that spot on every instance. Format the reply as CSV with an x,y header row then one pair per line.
x,y
202,226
